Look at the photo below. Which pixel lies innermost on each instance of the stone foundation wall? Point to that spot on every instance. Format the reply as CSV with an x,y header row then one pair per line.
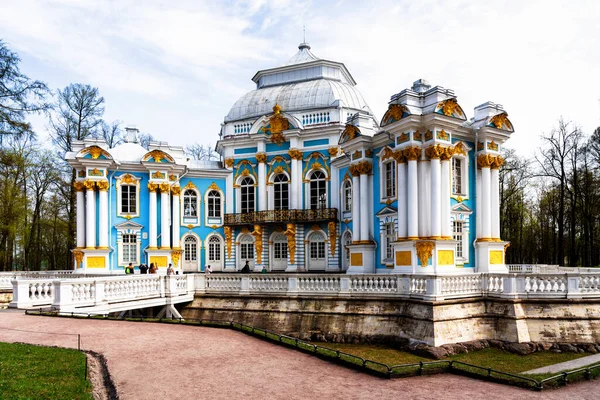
x,y
435,323
5,298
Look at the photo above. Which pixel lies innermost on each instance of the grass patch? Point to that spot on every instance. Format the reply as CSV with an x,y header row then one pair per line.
x,y
36,372
379,353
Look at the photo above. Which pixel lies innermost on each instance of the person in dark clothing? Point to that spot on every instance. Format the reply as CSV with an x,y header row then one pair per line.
x,y
143,269
129,269
246,268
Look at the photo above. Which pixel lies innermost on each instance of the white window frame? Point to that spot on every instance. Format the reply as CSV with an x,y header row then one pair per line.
x,y
215,265
388,163
345,195
309,247
239,193
307,188
128,228
385,220
119,185
345,240
461,213
274,185
464,166
208,220
459,236
193,192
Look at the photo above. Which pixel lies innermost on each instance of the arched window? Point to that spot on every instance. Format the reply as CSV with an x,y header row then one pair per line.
x,y
347,196
246,248
317,247
389,179
190,203
247,195
346,241
214,249
214,204
318,190
281,192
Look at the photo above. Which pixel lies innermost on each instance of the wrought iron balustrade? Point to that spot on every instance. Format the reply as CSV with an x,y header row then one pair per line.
x,y
282,216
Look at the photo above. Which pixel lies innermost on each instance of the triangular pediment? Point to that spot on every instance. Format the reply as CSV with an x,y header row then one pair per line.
x,y
385,211
129,225
461,208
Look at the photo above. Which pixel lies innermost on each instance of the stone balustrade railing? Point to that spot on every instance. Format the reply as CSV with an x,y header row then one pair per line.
x,y
71,294
7,277
425,287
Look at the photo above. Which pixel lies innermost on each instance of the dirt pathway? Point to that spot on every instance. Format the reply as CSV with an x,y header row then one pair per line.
x,y
160,361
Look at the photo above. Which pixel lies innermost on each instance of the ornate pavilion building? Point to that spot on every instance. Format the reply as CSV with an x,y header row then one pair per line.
x,y
311,180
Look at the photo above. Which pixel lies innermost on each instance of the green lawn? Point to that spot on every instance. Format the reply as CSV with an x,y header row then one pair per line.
x,y
489,358
36,372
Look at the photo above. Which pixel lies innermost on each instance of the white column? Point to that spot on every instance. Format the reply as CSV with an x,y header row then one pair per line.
x,y
90,215
262,181
153,228
364,209
103,214
294,195
495,203
355,208
412,200
435,198
478,201
486,221
80,215
335,188
421,205
370,208
445,199
165,235
299,184
175,223
401,188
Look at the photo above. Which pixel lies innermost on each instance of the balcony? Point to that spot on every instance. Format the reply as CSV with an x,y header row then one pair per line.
x,y
282,216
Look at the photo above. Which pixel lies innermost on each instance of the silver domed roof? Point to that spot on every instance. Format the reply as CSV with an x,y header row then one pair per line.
x,y
128,152
320,93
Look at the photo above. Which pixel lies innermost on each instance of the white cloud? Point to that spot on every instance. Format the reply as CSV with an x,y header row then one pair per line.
x,y
175,68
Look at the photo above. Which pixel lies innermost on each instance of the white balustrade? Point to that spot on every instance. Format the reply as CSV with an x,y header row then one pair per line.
x,y
223,283
374,284
589,284
418,285
318,284
461,284
545,284
269,284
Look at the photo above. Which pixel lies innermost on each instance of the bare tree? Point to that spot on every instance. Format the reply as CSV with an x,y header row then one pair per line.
x,y
19,95
554,159
111,133
201,152
145,139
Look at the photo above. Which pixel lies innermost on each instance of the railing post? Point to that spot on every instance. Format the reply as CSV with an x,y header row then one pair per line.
x,y
293,284
63,294
162,283
403,285
511,291
245,286
573,291
345,285
199,283
433,289
21,297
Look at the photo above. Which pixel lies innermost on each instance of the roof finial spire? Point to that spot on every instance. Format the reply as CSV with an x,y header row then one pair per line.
x,y
303,33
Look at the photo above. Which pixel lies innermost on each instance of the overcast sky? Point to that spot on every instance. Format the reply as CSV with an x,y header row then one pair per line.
x,y
174,68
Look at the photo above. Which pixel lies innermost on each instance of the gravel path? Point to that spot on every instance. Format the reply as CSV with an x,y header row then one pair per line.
x,y
160,361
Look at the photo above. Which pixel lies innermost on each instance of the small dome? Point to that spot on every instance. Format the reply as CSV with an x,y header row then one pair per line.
x,y
128,152
300,96
303,55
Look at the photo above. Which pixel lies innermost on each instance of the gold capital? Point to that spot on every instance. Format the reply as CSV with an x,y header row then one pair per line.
x,y
261,157
102,185
412,153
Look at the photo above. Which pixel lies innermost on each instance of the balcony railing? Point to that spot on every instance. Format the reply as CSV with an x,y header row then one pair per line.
x,y
282,216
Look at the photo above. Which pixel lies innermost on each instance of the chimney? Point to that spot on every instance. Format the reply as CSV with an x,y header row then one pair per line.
x,y
421,86
131,134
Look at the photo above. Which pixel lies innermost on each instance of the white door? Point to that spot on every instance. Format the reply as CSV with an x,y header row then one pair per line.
x,y
214,258
279,251
317,252
246,252
190,254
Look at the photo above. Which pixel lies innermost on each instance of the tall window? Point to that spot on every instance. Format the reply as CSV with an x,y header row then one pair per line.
x,y
129,249
318,190
389,236
346,241
457,177
389,172
281,192
190,249
347,196
214,249
128,199
457,235
214,204
190,203
247,195
246,248
317,247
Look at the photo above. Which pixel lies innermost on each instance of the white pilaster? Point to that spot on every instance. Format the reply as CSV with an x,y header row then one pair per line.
x,y
165,235
435,198
335,188
175,222
412,200
103,216
294,195
364,209
401,188
445,199
421,205
80,217
153,228
262,183
478,202
229,193
355,208
486,221
495,203
90,215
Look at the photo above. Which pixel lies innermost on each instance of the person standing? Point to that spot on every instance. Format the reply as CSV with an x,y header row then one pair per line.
x,y
129,269
143,269
152,268
207,270
170,270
